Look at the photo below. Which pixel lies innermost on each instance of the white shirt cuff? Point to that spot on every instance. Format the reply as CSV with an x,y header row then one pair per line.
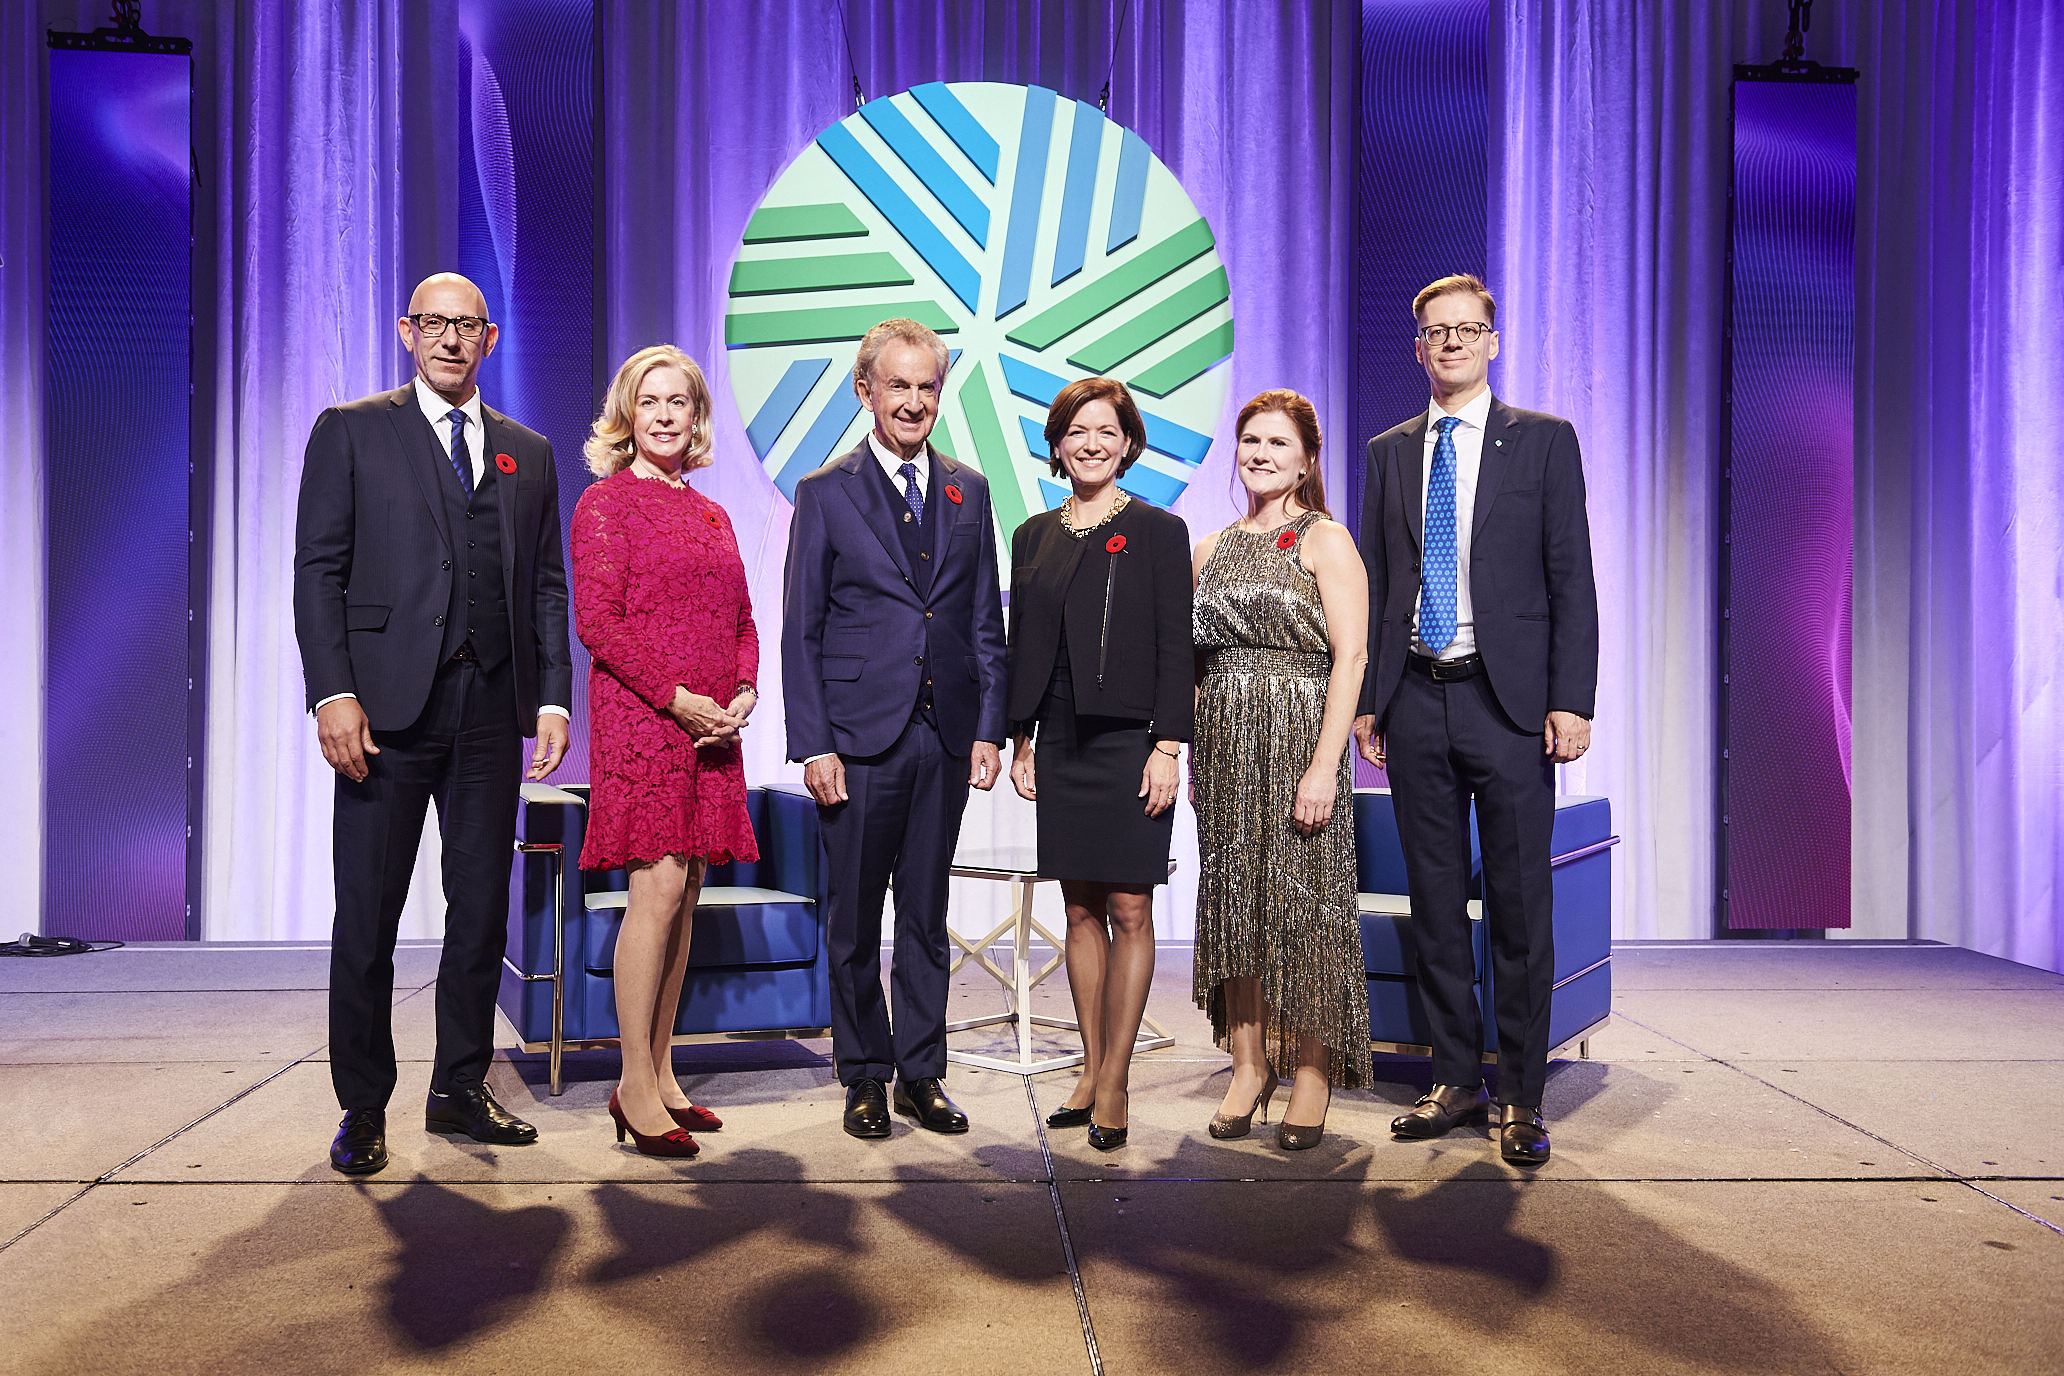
x,y
334,697
555,711
814,758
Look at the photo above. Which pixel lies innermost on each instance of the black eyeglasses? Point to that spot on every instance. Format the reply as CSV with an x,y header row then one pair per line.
x,y
1468,332
433,326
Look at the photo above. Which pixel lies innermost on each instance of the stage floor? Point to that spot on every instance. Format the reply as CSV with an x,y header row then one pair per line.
x,y
1798,1158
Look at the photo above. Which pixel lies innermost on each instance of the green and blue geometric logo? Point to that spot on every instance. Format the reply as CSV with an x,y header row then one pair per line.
x,y
1044,242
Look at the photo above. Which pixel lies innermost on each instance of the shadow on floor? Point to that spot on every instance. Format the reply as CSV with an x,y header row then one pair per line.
x,y
1276,1276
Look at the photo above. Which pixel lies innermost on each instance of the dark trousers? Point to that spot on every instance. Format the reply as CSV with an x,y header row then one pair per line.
x,y
465,752
901,819
1445,743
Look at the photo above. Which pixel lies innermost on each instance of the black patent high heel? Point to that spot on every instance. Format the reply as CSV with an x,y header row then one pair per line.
x,y
1110,1139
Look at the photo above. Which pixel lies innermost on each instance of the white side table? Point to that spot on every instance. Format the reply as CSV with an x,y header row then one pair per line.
x,y
1018,866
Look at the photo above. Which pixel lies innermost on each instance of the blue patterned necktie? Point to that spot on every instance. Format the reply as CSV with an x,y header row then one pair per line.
x,y
1437,583
912,493
461,461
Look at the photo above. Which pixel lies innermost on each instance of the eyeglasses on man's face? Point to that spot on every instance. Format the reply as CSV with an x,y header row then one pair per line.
x,y
434,326
1467,332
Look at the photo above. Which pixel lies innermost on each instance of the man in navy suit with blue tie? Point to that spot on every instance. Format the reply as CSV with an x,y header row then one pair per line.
x,y
1483,671
892,666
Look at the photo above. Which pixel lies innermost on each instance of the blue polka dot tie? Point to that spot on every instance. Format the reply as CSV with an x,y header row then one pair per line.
x,y
912,493
1437,582
461,461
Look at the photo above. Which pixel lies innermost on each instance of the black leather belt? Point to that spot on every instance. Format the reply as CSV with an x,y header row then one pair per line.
x,y
1446,670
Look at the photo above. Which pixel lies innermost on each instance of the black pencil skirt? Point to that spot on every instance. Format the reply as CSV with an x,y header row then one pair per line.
x,y
1093,825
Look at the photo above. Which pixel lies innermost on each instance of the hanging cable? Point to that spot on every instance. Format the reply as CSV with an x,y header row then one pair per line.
x,y
852,66
1104,96
1795,37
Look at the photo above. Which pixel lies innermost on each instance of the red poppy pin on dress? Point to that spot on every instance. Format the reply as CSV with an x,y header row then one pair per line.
x,y
1286,539
711,517
953,494
505,463
1114,544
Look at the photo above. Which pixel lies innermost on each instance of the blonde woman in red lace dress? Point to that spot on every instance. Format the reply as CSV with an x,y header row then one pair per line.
x,y
660,601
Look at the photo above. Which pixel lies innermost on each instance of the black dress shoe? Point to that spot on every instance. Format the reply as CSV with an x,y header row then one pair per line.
x,y
1522,1136
1447,1106
1071,1117
475,1113
361,1144
926,1101
867,1109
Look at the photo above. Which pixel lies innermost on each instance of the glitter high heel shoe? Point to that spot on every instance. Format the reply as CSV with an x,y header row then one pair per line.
x,y
1225,1129
1292,1137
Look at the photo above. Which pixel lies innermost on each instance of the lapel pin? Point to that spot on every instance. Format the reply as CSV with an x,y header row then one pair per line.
x,y
505,463
1114,544
953,494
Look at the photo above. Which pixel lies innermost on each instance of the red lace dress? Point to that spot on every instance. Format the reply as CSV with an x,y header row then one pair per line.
x,y
659,598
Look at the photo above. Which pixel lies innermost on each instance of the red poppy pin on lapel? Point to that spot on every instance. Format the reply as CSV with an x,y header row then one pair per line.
x,y
953,494
505,463
1286,539
1114,544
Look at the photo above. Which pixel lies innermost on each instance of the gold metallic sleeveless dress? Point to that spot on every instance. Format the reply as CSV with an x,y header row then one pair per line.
x,y
1272,904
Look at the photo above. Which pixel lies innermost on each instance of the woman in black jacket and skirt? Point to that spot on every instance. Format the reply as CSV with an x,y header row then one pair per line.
x,y
1102,670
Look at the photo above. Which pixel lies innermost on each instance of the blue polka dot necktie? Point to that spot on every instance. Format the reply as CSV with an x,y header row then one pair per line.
x,y
912,493
1437,583
461,461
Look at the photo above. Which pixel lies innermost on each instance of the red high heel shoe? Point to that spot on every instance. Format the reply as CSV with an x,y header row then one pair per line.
x,y
676,1142
696,1118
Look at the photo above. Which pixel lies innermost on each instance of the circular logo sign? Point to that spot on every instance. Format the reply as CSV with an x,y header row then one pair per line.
x,y
1043,242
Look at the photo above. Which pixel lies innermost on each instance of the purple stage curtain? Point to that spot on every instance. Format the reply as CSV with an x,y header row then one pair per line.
x,y
1249,105
21,466
1960,517
325,210
1609,166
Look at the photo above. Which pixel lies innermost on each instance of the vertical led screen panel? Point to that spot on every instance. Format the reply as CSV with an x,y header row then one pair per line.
x,y
527,200
117,601
1422,174
1788,519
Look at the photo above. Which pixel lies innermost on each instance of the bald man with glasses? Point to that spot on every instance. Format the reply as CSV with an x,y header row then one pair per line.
x,y
430,606
1483,671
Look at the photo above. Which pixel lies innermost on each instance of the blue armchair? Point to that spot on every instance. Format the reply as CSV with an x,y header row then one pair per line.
x,y
1582,1002
758,965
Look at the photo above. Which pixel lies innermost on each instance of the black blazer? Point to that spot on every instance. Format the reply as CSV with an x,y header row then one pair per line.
x,y
1529,573
373,559
1145,649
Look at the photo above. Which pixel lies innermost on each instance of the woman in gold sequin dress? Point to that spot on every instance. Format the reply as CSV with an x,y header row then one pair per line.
x,y
1281,624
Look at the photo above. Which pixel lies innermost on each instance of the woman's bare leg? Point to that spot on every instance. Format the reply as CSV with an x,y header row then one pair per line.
x,y
641,959
1128,976
1089,950
1244,1011
675,971
1310,1094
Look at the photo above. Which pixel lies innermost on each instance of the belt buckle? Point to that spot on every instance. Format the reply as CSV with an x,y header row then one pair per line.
x,y
1443,671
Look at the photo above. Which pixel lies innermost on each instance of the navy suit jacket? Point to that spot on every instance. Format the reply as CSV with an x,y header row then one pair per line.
x,y
857,637
1536,609
373,559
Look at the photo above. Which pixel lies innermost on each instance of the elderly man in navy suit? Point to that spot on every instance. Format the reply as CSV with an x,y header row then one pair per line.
x,y
892,664
1483,668
430,605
